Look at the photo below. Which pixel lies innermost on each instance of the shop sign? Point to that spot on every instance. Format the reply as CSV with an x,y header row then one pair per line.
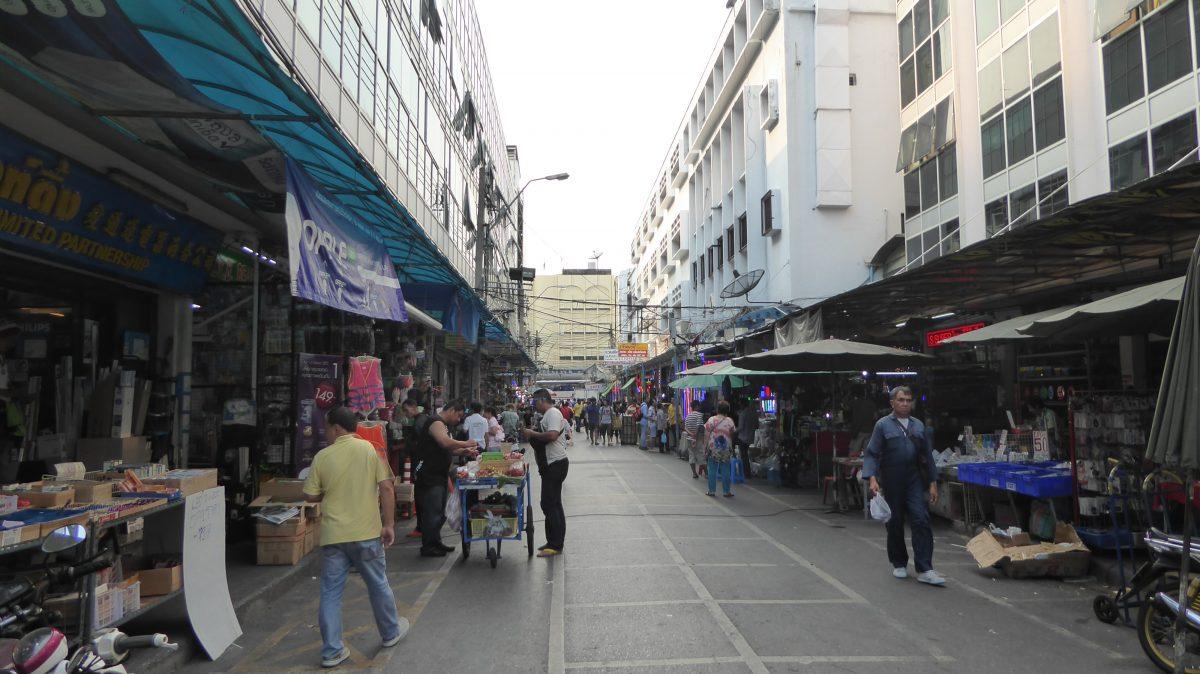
x,y
335,258
53,208
317,388
633,351
934,338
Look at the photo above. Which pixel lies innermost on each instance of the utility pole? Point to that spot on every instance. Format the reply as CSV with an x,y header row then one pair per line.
x,y
482,240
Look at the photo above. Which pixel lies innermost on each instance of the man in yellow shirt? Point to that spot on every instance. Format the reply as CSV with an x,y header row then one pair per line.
x,y
353,487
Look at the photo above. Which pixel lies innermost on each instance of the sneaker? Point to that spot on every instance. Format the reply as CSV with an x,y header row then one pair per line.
x,y
404,625
548,552
931,577
900,572
436,552
337,659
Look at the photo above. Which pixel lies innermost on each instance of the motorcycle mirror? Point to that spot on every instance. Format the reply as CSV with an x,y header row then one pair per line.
x,y
64,538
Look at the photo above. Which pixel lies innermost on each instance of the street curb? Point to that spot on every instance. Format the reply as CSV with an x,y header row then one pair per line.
x,y
159,661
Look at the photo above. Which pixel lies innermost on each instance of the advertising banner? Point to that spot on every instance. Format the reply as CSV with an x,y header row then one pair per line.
x,y
318,388
53,208
335,259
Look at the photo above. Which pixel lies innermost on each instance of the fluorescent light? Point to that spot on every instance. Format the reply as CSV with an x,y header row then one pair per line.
x,y
948,314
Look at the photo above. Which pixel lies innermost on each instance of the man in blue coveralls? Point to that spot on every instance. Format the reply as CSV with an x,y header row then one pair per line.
x,y
899,462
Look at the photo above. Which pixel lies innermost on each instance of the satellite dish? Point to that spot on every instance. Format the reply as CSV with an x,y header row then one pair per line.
x,y
741,285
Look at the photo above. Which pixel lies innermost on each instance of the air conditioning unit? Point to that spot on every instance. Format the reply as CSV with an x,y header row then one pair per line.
x,y
768,104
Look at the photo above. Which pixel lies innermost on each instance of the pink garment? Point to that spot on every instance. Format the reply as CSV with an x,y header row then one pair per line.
x,y
366,385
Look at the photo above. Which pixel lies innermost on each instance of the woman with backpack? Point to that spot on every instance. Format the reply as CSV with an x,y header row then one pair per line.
x,y
720,430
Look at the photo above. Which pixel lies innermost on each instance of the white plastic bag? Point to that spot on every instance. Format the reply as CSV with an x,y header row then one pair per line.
x,y
454,511
880,509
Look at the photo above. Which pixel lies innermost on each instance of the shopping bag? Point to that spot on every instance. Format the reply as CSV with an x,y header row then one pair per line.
x,y
880,510
454,511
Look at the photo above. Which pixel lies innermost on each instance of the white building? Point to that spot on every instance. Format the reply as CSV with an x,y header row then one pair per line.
x,y
1011,109
779,164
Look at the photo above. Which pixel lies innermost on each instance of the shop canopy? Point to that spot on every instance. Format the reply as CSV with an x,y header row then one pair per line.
x,y
1004,331
1149,308
833,355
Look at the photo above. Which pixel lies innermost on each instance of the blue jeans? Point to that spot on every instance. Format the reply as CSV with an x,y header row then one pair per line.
x,y
907,496
715,467
367,557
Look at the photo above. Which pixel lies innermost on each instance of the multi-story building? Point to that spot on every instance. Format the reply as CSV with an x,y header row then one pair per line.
x,y
573,318
1012,109
776,165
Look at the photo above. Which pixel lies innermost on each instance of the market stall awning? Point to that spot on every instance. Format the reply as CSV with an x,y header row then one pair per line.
x,y
1148,308
1004,331
833,355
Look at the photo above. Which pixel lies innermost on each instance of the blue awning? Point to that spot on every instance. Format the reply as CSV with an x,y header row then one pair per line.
x,y
195,79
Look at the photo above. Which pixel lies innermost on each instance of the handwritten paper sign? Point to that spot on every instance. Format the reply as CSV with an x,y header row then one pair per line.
x,y
205,587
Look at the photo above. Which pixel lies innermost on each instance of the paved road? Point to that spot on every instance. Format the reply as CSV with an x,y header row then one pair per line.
x,y
660,578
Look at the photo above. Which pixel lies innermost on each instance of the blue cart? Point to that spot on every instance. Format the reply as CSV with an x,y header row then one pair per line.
x,y
496,527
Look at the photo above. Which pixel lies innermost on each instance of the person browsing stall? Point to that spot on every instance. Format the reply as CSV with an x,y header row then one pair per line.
x,y
353,487
434,450
549,443
899,464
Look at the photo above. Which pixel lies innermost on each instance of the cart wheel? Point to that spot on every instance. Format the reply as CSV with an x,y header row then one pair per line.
x,y
1106,609
493,555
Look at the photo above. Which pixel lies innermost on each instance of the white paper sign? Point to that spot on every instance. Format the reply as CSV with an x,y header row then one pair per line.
x,y
205,587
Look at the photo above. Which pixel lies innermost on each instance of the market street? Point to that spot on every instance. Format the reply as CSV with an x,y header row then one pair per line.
x,y
658,577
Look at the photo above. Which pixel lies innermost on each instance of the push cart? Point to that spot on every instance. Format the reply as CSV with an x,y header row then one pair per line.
x,y
507,518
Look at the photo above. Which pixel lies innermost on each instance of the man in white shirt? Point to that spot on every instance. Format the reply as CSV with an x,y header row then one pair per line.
x,y
476,426
549,443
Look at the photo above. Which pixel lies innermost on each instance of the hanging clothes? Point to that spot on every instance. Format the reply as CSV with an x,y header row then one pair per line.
x,y
366,385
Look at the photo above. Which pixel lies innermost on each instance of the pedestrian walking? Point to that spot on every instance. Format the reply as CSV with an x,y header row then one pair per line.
x,y
550,452
693,441
353,487
434,449
899,464
604,431
719,430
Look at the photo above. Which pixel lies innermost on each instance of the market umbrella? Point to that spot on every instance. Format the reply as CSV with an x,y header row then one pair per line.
x,y
833,355
1175,430
1004,331
1144,309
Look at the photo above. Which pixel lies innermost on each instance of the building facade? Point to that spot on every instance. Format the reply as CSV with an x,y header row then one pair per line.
x,y
573,318
1013,109
775,168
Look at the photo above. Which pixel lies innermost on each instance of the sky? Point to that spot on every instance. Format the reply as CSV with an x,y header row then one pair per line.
x,y
595,89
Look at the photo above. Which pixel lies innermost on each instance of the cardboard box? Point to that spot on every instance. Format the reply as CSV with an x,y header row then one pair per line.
x,y
187,480
1066,557
282,490
157,582
297,526
95,451
280,551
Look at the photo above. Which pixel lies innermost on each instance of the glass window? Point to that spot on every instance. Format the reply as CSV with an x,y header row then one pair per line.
x,y
1019,122
1016,70
913,246
1021,205
950,236
995,216
924,136
1168,45
921,21
1048,114
1045,59
948,172
924,66
1052,193
929,184
991,90
1009,7
912,193
1128,162
987,18
932,243
1172,141
992,135
908,81
1123,71
940,10
943,58
905,27
944,123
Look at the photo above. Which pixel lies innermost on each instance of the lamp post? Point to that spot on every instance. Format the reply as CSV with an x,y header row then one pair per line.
x,y
482,247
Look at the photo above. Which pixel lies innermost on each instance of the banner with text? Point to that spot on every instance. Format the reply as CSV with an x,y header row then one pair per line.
x,y
318,387
335,259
